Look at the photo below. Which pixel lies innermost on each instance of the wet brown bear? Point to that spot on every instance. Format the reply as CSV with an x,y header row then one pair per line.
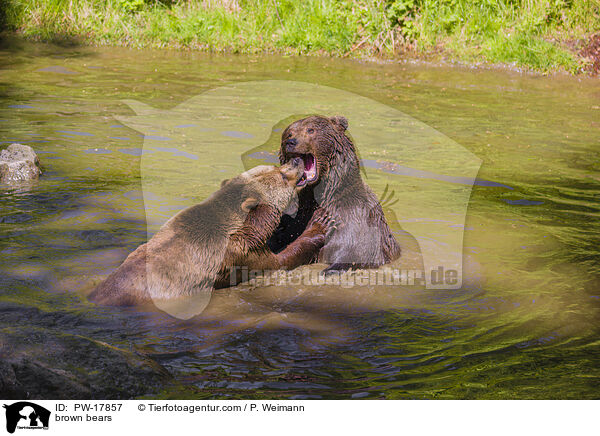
x,y
196,249
332,178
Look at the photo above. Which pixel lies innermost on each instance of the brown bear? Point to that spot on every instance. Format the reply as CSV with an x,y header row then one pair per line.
x,y
333,182
196,250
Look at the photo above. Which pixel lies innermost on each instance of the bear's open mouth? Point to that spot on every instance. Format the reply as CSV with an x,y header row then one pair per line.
x,y
310,169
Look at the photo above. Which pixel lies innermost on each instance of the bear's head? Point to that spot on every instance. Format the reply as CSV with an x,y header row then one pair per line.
x,y
268,185
320,142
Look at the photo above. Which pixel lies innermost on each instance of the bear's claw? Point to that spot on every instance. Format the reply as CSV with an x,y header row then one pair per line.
x,y
324,220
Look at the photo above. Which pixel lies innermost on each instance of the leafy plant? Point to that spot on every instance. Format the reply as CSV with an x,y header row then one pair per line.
x,y
402,13
131,6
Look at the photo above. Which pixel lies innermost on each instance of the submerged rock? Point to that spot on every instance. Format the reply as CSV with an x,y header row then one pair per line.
x,y
19,163
57,346
39,363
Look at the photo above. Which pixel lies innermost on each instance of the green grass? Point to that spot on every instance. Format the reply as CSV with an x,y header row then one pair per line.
x,y
530,50
530,33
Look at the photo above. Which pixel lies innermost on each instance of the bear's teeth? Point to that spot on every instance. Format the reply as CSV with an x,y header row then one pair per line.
x,y
310,173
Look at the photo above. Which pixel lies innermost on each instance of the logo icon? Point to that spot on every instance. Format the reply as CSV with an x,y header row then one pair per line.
x,y
26,415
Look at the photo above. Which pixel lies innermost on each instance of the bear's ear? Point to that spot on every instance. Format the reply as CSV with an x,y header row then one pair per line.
x,y
224,182
249,204
340,121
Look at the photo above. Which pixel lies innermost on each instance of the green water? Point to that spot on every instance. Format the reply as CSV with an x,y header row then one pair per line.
x,y
524,324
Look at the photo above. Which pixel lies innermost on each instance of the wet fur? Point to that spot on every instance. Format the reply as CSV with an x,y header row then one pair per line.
x,y
363,238
196,248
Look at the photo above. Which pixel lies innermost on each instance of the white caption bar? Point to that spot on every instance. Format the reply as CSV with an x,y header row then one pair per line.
x,y
156,417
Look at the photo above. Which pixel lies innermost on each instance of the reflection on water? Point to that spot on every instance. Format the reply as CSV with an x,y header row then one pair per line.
x,y
523,325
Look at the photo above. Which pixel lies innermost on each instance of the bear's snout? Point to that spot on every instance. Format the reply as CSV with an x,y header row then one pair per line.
x,y
290,144
293,170
296,162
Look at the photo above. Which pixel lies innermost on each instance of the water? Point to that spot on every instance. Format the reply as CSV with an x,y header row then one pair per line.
x,y
525,323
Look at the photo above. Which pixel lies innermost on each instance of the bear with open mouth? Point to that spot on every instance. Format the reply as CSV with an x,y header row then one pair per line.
x,y
198,248
332,181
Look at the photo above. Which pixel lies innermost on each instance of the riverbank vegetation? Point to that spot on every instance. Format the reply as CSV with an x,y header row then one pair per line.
x,y
543,35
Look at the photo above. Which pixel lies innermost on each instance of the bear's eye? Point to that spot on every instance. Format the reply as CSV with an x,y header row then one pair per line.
x,y
310,131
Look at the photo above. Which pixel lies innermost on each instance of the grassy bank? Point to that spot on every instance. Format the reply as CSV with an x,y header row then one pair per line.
x,y
543,35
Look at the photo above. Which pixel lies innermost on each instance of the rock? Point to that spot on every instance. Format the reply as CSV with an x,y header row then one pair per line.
x,y
56,345
40,363
19,163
